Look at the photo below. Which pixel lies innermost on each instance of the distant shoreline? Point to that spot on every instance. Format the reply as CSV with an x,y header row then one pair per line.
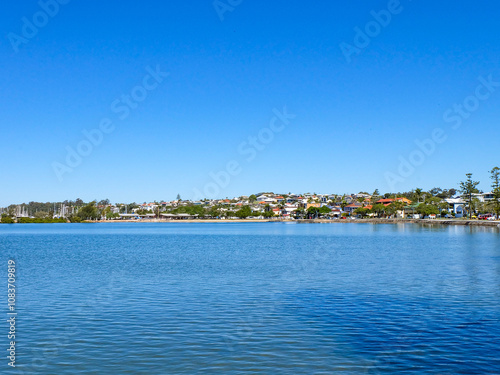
x,y
464,222
460,222
484,223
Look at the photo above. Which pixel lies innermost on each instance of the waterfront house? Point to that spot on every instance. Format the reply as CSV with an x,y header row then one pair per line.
x,y
352,207
457,206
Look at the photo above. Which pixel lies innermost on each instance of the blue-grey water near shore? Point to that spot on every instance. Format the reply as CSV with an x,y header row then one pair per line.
x,y
241,298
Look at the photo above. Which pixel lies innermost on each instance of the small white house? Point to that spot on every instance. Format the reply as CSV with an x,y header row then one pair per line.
x,y
457,205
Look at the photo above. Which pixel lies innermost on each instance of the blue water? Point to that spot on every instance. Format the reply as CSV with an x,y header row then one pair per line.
x,y
269,298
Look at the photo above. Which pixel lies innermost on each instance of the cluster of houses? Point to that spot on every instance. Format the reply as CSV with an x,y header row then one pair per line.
x,y
282,206
286,206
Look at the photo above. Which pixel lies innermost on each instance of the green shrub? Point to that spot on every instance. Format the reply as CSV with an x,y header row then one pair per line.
x,y
6,219
75,219
38,220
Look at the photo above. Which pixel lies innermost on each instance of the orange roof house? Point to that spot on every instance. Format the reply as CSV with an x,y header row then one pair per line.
x,y
313,205
387,201
404,200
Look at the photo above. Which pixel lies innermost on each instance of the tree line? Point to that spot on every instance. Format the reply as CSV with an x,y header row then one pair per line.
x,y
428,203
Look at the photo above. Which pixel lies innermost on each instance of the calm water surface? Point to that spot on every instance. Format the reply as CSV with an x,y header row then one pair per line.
x,y
264,298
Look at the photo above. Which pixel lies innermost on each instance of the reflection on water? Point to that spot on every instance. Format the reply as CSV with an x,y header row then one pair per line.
x,y
257,297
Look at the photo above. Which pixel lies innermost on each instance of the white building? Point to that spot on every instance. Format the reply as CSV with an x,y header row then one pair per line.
x,y
457,205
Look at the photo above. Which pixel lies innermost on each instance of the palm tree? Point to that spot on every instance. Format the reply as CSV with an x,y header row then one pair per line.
x,y
418,194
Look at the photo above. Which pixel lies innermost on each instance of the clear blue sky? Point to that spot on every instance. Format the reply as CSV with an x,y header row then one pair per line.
x,y
354,120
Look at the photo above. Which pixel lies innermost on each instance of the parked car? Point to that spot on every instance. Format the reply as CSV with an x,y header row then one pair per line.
x,y
485,217
492,218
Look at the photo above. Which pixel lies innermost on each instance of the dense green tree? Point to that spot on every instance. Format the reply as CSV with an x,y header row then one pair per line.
x,y
378,209
323,210
11,210
495,185
88,212
105,211
445,193
314,212
435,191
361,211
75,219
418,193
427,209
268,214
215,211
394,207
112,215
433,200
244,212
252,198
390,210
468,188
7,219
